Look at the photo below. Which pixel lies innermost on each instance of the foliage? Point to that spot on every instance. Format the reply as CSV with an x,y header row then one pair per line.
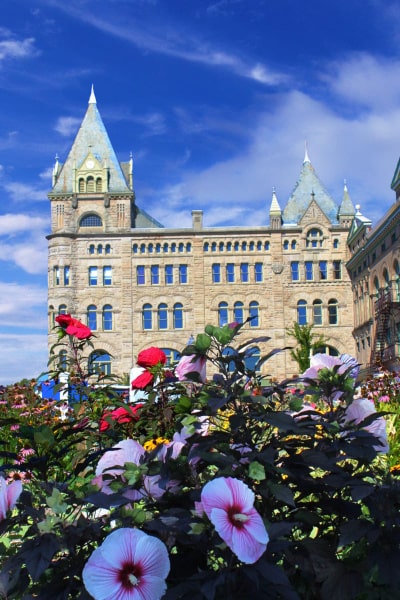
x,y
323,491
307,343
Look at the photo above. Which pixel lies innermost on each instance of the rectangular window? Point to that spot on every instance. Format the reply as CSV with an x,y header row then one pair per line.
x,y
140,275
258,272
230,273
66,275
155,275
323,269
107,275
337,269
56,272
244,272
309,270
169,275
92,275
216,273
183,274
294,267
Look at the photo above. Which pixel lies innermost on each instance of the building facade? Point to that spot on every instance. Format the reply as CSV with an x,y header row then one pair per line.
x,y
374,269
137,283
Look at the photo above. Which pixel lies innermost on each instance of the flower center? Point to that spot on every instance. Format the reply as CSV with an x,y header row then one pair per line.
x,y
240,518
129,576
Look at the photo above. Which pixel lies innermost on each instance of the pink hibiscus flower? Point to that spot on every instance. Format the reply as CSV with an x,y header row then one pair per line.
x,y
111,464
9,495
360,409
129,565
191,364
228,503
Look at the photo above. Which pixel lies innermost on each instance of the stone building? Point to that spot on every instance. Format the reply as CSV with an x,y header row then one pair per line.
x,y
137,283
374,269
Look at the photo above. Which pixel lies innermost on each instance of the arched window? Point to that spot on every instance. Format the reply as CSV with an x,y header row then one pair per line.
x,y
173,247
229,246
266,246
178,316
251,246
142,248
244,246
254,314
286,245
302,312
214,247
314,238
107,317
333,311
396,268
91,220
100,249
91,316
335,243
386,279
158,248
221,246
162,316
81,185
91,249
238,312
62,309
165,247
376,285
181,247
99,185
135,248
222,314
317,312
150,248
252,357
147,316
108,249
206,247
90,184
62,360
259,245
172,355
100,362
293,244
236,246
188,247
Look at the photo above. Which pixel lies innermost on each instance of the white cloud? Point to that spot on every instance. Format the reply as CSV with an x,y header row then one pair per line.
x,y
30,255
17,223
176,42
67,126
24,192
154,122
11,48
22,357
361,148
366,80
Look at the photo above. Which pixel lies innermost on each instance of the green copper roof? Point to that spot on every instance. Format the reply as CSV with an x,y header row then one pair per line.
x,y
307,189
92,136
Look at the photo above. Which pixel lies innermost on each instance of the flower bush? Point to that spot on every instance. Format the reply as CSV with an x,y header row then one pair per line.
x,y
213,489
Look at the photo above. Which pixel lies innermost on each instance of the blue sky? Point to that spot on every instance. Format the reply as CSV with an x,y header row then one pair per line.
x,y
214,98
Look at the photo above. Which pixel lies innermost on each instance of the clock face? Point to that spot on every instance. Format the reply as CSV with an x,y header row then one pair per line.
x,y
89,164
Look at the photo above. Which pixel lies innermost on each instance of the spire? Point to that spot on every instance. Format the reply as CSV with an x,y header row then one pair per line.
x,y
306,157
274,208
346,206
92,99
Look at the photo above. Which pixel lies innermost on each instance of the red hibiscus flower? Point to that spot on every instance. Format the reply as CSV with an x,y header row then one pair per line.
x,y
151,357
73,327
119,415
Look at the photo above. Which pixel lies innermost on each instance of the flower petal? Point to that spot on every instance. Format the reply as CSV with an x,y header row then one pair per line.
x,y
246,548
100,578
123,452
219,518
242,495
152,555
216,494
14,489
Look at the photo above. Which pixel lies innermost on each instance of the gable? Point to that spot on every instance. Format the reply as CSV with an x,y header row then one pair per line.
x,y
314,215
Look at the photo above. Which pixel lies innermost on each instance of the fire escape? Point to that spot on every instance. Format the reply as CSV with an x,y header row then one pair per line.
x,y
384,343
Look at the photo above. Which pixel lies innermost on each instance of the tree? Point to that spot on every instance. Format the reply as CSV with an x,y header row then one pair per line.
x,y
308,343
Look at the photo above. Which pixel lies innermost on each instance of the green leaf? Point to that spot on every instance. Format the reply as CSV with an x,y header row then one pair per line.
x,y
256,471
43,436
203,342
55,501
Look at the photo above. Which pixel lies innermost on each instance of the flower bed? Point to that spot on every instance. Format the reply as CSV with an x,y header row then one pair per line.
x,y
212,489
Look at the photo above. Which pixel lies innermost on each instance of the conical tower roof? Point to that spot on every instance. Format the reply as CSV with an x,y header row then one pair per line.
x,y
92,137
346,207
307,189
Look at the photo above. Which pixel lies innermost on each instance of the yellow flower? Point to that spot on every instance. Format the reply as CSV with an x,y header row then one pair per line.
x,y
154,442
